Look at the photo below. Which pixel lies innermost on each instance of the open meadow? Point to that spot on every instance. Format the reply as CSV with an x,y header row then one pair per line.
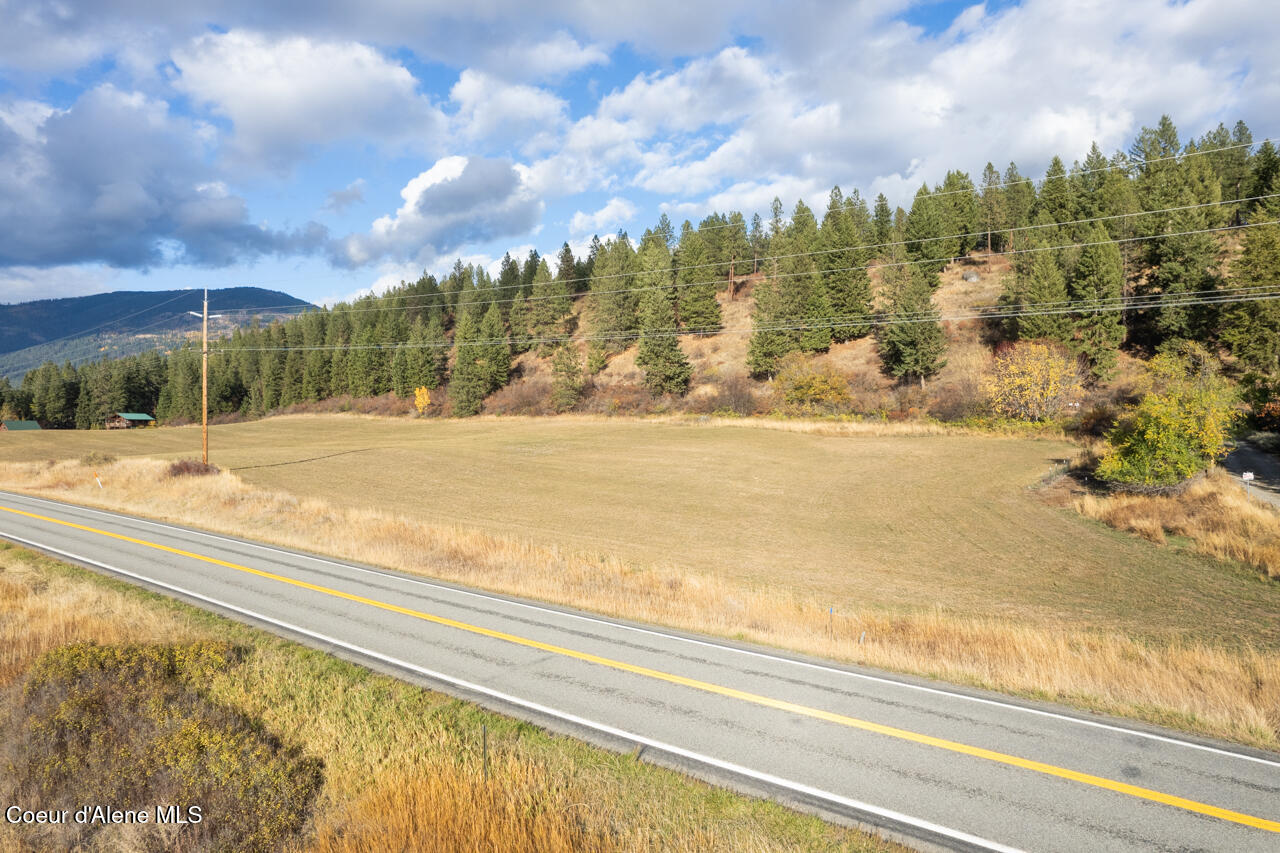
x,y
938,545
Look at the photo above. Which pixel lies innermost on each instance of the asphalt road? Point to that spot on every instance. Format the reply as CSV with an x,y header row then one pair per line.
x,y
948,767
1264,467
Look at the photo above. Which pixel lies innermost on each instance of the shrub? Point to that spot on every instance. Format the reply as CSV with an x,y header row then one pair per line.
x,y
191,468
94,458
1032,381
733,396
1178,428
810,390
124,726
520,398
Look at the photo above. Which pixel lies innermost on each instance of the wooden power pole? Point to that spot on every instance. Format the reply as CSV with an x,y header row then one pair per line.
x,y
204,378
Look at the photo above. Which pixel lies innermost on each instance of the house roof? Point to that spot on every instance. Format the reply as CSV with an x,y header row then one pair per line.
x,y
135,416
19,425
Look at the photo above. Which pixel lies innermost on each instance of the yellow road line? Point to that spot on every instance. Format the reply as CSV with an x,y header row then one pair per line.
x,y
708,687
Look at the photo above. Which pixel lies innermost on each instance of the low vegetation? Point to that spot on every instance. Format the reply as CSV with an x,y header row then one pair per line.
x,y
1214,513
403,768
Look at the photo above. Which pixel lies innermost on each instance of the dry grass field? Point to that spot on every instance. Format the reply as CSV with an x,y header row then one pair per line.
x,y
935,545
403,767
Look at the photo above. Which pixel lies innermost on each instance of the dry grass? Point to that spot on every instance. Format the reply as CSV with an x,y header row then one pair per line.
x,y
1226,689
39,612
1215,513
404,768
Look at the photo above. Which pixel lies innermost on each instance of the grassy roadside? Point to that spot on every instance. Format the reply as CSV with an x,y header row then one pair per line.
x,y
403,767
1230,690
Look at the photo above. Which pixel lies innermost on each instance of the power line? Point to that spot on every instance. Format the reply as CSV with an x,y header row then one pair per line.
x,y
860,247
1191,298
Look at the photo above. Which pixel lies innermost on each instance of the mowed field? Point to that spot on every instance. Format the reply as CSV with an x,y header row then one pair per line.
x,y
894,522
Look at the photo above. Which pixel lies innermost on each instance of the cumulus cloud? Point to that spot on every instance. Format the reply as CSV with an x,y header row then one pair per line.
x,y
117,179
284,95
524,117
459,200
616,213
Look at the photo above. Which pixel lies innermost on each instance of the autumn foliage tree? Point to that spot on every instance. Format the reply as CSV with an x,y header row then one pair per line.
x,y
1032,382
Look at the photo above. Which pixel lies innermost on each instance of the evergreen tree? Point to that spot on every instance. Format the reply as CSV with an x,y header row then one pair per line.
x,y
521,319
494,350
881,224
928,242
435,354
959,204
567,380
613,296
911,341
1055,199
1019,199
759,242
1252,329
1262,180
550,303
698,310
992,208
1045,290
1086,185
666,369
841,264
509,281
469,382
1096,289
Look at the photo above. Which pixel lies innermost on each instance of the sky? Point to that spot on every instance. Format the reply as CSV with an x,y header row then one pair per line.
x,y
329,149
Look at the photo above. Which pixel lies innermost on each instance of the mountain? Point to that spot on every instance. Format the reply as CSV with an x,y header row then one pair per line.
x,y
86,328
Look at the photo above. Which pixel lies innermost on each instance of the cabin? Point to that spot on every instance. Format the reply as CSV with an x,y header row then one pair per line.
x,y
129,420
18,426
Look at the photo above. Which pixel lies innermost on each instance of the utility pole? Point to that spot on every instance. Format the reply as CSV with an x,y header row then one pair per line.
x,y
204,379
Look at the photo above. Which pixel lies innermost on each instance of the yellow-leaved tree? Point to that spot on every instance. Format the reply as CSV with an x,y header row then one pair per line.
x,y
421,398
1032,381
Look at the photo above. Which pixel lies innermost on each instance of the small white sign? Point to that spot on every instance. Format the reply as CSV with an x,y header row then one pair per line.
x,y
1247,475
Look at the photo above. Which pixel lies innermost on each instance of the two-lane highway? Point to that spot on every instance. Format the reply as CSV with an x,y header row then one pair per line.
x,y
950,767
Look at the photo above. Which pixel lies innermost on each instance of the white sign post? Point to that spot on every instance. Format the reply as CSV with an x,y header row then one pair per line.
x,y
1246,477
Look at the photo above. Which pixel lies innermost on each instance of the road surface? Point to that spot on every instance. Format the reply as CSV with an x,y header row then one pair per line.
x,y
942,767
1265,469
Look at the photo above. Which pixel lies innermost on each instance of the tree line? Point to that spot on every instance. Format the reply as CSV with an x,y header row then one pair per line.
x,y
1143,224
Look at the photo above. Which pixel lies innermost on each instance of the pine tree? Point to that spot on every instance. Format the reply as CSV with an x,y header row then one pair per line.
x,y
1045,290
959,204
666,368
1262,179
841,264
928,242
769,341
696,300
881,224
1019,198
435,359
520,320
613,296
1055,199
469,382
992,208
1252,329
911,341
1086,185
494,350
1096,289
550,303
567,380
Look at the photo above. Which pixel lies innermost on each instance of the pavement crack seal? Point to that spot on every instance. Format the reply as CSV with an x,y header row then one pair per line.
x,y
708,687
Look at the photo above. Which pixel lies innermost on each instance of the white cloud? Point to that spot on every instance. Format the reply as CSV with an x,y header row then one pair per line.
x,y
284,95
524,117
340,200
616,213
24,283
459,200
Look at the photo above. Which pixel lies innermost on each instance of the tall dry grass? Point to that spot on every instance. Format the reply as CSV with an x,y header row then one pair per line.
x,y
1215,513
1228,692
40,612
518,808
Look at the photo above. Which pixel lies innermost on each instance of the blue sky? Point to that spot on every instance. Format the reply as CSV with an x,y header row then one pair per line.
x,y
150,145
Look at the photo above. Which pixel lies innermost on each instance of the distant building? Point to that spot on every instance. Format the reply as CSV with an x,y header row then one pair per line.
x,y
17,426
129,420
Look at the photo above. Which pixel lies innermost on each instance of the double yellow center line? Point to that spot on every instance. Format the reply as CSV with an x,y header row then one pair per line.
x,y
708,687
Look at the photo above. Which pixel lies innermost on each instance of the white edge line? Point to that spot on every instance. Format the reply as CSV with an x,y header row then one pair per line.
x,y
767,778
761,655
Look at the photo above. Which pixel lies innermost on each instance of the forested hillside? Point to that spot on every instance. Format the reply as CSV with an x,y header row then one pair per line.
x,y
1140,251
